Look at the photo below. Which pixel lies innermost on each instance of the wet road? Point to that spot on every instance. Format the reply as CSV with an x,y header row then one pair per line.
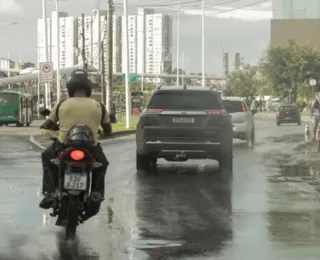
x,y
266,211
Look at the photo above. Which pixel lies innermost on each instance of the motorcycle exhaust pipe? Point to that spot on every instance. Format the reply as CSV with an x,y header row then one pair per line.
x,y
93,204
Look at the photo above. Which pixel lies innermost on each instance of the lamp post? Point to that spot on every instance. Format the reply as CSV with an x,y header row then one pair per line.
x,y
203,44
126,55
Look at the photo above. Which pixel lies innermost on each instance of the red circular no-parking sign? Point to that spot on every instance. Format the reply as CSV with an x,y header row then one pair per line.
x,y
46,68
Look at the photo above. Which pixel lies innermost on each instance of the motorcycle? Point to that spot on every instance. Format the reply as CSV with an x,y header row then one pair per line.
x,y
75,201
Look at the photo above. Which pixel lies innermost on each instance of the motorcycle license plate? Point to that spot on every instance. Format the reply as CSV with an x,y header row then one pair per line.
x,y
75,181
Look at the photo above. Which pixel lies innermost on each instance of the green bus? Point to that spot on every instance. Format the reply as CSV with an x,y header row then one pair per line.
x,y
15,108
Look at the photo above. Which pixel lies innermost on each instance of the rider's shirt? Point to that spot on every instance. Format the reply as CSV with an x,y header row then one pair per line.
x,y
78,111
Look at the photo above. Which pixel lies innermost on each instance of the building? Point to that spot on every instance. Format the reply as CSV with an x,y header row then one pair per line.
x,y
71,39
6,63
150,42
237,61
68,40
296,20
95,40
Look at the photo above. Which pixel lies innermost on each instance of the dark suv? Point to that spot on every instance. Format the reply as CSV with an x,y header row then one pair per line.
x,y
181,123
288,114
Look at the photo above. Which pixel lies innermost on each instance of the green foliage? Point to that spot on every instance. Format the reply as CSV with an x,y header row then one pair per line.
x,y
243,83
289,66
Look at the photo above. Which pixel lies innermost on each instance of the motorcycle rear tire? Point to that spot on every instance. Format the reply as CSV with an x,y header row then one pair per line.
x,y
72,218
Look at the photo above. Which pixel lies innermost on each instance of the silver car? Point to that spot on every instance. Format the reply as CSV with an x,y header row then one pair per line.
x,y
242,118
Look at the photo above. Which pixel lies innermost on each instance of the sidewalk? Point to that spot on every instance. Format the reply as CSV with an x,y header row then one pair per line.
x,y
262,114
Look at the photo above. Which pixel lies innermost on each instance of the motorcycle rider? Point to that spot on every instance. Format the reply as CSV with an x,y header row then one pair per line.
x,y
315,113
79,108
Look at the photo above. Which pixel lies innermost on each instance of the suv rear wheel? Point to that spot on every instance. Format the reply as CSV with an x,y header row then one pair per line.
x,y
226,161
145,163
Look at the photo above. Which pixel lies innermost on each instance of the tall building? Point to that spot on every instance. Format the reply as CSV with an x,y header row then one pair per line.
x,y
132,39
237,61
141,38
296,9
68,40
225,64
297,20
71,39
150,42
95,31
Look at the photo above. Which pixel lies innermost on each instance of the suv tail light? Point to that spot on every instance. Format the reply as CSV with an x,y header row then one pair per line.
x,y
16,113
151,111
214,112
244,108
278,114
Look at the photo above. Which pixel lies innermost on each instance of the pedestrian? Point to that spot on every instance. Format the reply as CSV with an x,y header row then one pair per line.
x,y
315,113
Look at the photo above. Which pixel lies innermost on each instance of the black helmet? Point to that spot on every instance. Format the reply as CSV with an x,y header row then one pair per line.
x,y
79,80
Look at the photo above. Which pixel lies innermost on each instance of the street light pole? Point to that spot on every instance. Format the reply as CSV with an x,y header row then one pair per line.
x,y
126,55
203,69
46,56
58,53
178,42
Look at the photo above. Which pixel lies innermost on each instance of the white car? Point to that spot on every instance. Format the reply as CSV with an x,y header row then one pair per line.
x,y
242,118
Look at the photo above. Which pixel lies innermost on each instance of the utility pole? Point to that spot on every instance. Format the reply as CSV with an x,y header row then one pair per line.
x,y
203,45
109,94
83,43
103,69
126,56
178,44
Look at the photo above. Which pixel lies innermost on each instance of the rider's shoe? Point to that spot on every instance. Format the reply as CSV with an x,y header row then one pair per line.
x,y
47,202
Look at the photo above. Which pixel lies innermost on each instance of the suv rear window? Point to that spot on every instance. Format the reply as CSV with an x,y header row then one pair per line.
x,y
232,106
288,108
179,100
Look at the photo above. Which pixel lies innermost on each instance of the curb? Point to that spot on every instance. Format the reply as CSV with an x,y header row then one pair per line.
x,y
117,135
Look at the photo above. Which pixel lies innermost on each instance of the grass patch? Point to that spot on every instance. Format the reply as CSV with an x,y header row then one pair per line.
x,y
121,126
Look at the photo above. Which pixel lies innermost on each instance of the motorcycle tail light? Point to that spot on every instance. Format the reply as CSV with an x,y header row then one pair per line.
x,y
77,155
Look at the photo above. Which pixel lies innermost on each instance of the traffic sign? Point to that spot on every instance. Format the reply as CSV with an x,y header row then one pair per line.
x,y
46,73
312,82
133,78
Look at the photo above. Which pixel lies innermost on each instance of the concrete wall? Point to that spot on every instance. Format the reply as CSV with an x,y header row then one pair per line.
x,y
306,31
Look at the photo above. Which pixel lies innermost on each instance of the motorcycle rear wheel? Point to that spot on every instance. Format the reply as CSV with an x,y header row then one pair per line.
x,y
72,218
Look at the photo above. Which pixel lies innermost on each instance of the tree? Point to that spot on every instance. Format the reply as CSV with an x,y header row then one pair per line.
x,y
243,83
289,66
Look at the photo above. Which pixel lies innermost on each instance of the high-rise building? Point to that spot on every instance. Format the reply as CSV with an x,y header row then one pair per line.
x,y
225,64
132,39
150,42
237,61
95,28
68,40
297,20
296,9
71,40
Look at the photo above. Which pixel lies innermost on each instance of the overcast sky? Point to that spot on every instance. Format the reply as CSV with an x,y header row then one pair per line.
x,y
238,25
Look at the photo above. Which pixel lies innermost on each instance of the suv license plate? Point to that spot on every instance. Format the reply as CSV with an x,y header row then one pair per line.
x,y
288,118
183,120
75,181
